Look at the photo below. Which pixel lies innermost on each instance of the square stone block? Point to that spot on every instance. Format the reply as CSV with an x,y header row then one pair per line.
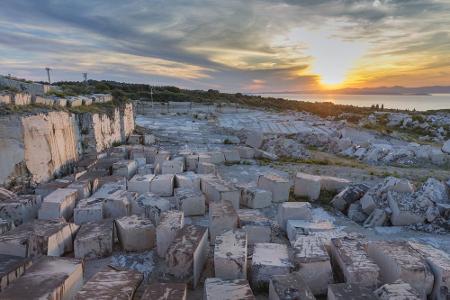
x,y
171,222
293,211
232,156
308,186
289,286
302,227
256,225
278,185
58,204
162,185
136,233
151,206
187,180
219,289
254,197
206,168
165,291
349,291
230,255
190,201
88,210
222,218
175,166
140,183
94,240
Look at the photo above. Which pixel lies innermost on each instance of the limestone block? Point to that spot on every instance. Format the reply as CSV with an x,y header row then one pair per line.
x,y
232,156
278,185
145,169
84,188
352,262
44,189
264,154
187,180
39,237
162,185
397,290
268,259
222,218
88,210
333,184
439,262
165,291
151,206
87,101
22,99
190,201
377,218
58,204
289,286
11,268
110,283
217,190
295,228
49,278
5,98
403,215
368,204
206,168
255,139
348,291
398,260
306,185
230,255
62,102
74,101
160,157
140,183
348,196
149,139
136,233
188,253
219,289
5,225
205,158
170,223
217,157
175,166
125,168
254,197
135,139
94,240
314,264
293,211
246,152
43,100
256,225
20,209
118,204
191,162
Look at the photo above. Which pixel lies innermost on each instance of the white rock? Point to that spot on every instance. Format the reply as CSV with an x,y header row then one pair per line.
x,y
230,255
175,166
88,210
187,180
140,183
162,185
397,290
256,225
94,240
125,168
255,139
166,291
59,204
170,224
268,259
219,289
232,156
190,201
191,162
293,211
246,152
206,168
446,147
149,139
136,233
278,185
222,218
217,190
303,227
345,291
333,184
289,286
150,206
254,197
306,185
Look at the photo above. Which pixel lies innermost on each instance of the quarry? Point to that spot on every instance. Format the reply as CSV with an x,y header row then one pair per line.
x,y
182,200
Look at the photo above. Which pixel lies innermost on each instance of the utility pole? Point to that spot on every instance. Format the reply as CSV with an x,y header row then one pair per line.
x,y
48,74
85,77
151,96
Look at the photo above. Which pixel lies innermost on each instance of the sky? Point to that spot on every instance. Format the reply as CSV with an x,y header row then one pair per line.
x,y
230,45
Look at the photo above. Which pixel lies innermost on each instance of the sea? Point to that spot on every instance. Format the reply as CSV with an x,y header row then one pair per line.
x,y
402,102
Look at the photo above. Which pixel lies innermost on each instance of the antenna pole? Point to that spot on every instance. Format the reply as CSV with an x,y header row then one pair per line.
x,y
48,74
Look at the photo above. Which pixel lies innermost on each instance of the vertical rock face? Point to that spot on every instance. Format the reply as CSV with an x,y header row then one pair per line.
x,y
11,148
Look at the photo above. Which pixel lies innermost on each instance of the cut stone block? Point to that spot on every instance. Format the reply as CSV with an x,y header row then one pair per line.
x,y
311,257
288,287
5,226
255,139
398,260
162,185
246,152
149,139
187,180
232,156
302,227
20,209
171,222
191,162
58,204
94,240
206,168
11,268
175,166
217,190
293,211
160,158
256,225
217,157
219,289
111,284
439,262
165,291
397,290
254,197
145,169
377,218
333,184
353,264
230,255
136,233
39,237
135,139
151,206
402,214
348,291
83,187
140,183
306,185
125,168
118,204
205,158
45,189
188,253
278,185
88,210
264,154
50,278
348,196
190,201
222,217
268,259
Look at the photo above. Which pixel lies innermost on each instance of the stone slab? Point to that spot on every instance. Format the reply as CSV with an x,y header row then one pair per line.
x,y
230,255
165,291
171,222
222,217
94,240
220,289
293,211
11,268
288,287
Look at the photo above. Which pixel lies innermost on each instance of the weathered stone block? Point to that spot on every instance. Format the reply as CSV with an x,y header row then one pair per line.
x,y
222,217
333,184
254,197
136,233
349,291
162,185
188,253
94,240
348,196
125,168
303,227
246,152
206,168
232,156
135,139
256,225
58,204
20,209
187,180
306,185
219,289
11,268
313,262
175,166
217,190
149,139
255,139
191,162
268,259
230,255
171,222
397,290
190,201
289,286
165,291
84,188
140,183
293,211
151,206
278,185
88,210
